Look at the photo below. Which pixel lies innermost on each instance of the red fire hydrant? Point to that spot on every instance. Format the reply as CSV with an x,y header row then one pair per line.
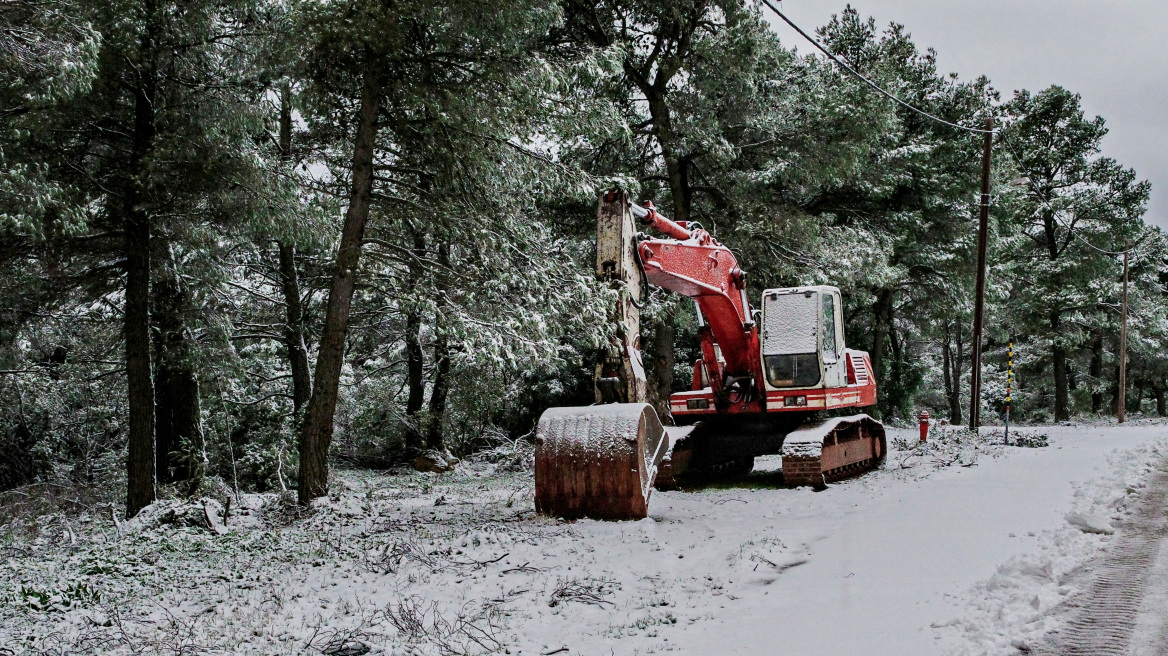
x,y
924,425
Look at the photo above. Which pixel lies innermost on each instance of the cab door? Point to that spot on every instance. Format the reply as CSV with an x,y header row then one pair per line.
x,y
832,342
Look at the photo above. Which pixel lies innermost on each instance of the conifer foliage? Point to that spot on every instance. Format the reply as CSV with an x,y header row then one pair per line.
x,y
248,241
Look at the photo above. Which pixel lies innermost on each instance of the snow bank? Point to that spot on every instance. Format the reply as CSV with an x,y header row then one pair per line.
x,y
1015,607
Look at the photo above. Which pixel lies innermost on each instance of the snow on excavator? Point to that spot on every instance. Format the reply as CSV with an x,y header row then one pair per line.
x,y
763,377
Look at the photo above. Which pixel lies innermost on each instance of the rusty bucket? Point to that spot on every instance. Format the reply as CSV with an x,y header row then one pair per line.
x,y
597,461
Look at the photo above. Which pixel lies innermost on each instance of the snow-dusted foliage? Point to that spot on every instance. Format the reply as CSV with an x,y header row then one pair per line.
x,y
474,305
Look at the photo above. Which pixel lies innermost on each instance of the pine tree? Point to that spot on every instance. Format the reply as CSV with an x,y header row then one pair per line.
x,y
1074,201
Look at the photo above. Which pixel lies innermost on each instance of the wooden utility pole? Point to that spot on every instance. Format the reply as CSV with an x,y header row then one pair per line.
x,y
979,298
1121,397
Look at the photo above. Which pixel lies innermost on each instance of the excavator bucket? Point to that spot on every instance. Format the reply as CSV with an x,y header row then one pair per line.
x,y
597,461
833,450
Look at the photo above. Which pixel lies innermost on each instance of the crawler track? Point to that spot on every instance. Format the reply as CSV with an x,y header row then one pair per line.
x,y
1104,617
833,450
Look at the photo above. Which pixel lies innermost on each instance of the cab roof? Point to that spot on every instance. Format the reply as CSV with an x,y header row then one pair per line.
x,y
822,289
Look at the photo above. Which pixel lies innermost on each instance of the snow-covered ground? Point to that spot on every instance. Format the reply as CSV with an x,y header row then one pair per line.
x,y
962,549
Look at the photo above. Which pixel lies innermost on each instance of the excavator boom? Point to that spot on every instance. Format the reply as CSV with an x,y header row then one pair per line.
x,y
692,263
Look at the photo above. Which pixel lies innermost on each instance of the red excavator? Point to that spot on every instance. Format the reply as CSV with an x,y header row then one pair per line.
x,y
764,378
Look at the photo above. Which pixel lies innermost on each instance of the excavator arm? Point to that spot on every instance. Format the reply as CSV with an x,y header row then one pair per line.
x,y
692,263
620,375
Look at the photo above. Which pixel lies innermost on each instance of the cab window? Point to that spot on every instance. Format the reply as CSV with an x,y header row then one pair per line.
x,y
790,339
829,349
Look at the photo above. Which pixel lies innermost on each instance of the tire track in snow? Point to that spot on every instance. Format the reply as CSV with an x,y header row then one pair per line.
x,y
1105,617
1150,637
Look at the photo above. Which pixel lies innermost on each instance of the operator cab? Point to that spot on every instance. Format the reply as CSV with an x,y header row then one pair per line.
x,y
802,337
805,363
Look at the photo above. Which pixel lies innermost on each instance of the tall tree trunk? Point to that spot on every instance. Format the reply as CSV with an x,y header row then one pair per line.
x,y
141,486
294,328
947,372
317,430
952,366
1062,407
415,380
674,164
166,442
435,436
660,373
881,313
140,470
415,358
188,423
178,419
1159,391
1097,373
895,396
1114,405
958,363
894,345
290,281
684,162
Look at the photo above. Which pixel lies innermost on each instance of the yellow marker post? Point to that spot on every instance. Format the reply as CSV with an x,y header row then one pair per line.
x,y
1009,383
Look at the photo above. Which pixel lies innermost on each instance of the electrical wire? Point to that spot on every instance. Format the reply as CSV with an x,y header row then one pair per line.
x,y
1054,212
870,83
1000,133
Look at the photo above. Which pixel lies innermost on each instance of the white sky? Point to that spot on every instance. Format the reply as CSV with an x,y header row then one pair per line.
x,y
1112,52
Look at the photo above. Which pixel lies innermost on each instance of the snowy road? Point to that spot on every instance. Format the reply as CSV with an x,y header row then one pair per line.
x,y
888,555
887,564
1122,612
922,557
919,560
1150,634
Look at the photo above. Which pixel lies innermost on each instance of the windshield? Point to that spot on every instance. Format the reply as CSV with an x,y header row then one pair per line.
x,y
790,339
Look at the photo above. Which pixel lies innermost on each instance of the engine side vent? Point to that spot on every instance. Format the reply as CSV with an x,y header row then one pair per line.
x,y
858,373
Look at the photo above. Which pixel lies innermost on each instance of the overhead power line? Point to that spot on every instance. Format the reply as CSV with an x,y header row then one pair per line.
x,y
1055,213
887,94
875,87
